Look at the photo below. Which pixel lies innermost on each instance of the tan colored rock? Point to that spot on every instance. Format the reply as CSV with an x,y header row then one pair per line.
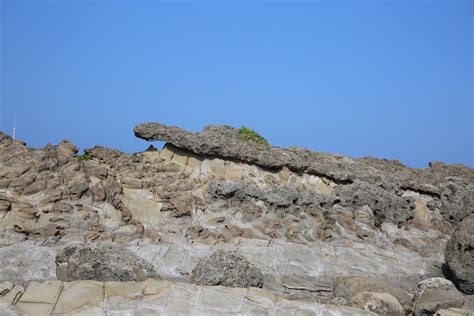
x,y
130,290
217,167
383,304
36,309
173,167
132,183
167,153
11,296
93,168
97,192
346,287
77,295
44,292
434,294
454,312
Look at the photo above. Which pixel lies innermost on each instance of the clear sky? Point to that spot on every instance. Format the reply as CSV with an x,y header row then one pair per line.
x,y
389,79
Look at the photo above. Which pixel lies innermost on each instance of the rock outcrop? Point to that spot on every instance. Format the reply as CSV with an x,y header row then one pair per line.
x,y
227,269
459,255
313,230
380,184
102,263
434,294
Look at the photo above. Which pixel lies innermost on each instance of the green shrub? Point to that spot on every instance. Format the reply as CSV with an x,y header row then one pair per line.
x,y
248,134
84,157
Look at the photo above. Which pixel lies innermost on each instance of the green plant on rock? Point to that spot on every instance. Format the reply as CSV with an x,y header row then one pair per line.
x,y
84,157
247,134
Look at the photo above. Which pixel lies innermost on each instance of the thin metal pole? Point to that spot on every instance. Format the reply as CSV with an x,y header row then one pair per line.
x,y
14,126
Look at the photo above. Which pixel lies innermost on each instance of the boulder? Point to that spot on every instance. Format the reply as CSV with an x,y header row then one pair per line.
x,y
347,287
227,269
434,294
102,263
383,304
459,255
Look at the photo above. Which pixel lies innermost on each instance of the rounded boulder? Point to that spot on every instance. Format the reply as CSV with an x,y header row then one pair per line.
x,y
459,255
227,269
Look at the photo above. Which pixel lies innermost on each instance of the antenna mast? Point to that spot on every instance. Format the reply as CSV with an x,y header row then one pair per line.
x,y
14,126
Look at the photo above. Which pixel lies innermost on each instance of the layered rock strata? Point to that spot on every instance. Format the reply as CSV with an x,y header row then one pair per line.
x,y
301,219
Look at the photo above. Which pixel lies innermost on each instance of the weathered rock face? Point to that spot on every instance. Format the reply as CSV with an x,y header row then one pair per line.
x,y
302,227
459,255
227,269
24,262
434,294
102,263
380,303
380,184
346,288
152,297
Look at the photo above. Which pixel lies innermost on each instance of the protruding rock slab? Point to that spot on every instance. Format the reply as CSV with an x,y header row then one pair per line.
x,y
227,269
459,255
102,263
367,181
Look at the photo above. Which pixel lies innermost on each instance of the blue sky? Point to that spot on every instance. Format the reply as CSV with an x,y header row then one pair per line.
x,y
389,79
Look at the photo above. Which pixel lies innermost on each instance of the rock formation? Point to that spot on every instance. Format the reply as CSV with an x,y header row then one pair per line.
x,y
227,269
200,225
102,263
459,254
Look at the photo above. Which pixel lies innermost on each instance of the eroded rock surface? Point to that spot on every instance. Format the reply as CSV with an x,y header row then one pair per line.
x,y
377,181
227,269
434,294
152,297
302,219
459,255
102,263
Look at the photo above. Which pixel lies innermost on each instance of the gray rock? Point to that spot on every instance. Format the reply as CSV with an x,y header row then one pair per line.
x,y
227,269
102,263
459,255
24,262
434,294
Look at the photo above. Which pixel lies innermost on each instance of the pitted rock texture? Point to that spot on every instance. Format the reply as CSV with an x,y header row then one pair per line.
x,y
459,255
102,263
227,269
378,183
